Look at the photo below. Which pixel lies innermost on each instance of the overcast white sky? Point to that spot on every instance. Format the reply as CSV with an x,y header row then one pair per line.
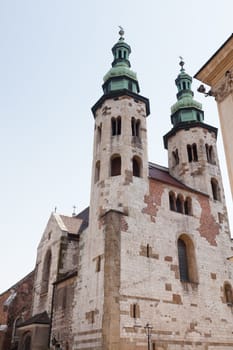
x,y
53,56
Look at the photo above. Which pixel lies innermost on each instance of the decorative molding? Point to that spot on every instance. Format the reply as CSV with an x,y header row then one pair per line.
x,y
224,88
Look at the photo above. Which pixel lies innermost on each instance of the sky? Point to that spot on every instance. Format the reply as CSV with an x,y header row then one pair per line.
x,y
53,56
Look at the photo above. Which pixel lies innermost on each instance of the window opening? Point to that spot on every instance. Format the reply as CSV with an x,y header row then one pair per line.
x,y
209,154
215,189
97,171
135,125
148,250
188,206
116,126
192,153
189,150
180,204
172,201
136,167
176,158
194,149
183,261
228,293
99,133
134,311
98,264
116,166
46,272
27,342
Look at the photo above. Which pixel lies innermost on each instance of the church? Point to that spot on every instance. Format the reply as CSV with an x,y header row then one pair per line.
x,y
148,265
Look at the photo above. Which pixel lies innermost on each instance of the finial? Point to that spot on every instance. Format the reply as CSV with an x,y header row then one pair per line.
x,y
121,32
74,211
181,63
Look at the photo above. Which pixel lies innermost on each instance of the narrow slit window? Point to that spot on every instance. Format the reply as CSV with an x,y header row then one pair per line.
x,y
228,293
136,167
97,171
180,204
194,149
172,201
183,261
148,250
215,189
99,133
98,264
188,206
116,126
189,151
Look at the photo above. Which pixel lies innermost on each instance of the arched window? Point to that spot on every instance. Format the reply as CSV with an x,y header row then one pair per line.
x,y
183,261
180,204
172,201
209,154
46,272
135,125
97,171
192,153
187,260
215,189
27,342
189,150
116,126
115,165
188,206
228,293
136,166
99,133
176,158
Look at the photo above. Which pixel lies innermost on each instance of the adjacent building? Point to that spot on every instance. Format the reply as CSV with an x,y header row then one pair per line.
x,y
218,74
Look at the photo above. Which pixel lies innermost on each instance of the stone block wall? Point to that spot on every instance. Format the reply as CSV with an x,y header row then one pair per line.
x,y
15,306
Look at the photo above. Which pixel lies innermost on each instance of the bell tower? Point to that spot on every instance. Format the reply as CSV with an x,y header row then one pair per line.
x,y
191,144
120,160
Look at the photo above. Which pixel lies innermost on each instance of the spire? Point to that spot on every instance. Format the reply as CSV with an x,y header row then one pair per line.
x,y
186,109
120,76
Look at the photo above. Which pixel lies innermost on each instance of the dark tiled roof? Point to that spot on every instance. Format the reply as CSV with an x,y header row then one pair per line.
x,y
84,216
41,318
17,284
72,223
160,173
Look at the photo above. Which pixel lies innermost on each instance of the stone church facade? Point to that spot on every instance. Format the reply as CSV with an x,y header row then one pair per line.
x,y
147,265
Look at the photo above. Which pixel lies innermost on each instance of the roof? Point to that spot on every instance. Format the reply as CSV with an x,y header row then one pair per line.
x,y
72,223
10,299
160,173
220,59
19,282
84,216
41,318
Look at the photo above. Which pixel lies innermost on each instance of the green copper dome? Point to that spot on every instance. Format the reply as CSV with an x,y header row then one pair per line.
x,y
186,109
120,76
